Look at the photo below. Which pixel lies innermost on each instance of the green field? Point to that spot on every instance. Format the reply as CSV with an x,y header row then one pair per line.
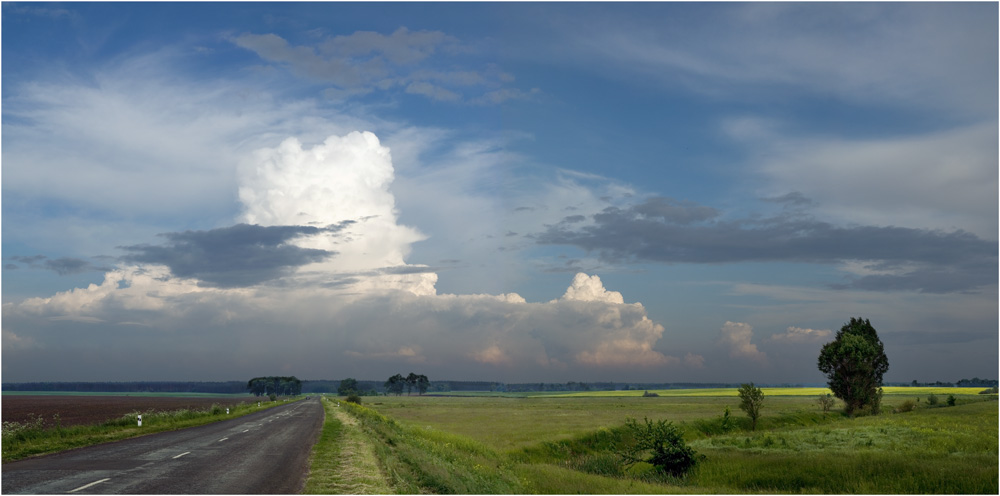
x,y
562,443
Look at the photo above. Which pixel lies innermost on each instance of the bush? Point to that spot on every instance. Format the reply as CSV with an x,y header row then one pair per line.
x,y
907,406
354,398
826,402
932,400
659,444
647,394
727,421
951,400
992,390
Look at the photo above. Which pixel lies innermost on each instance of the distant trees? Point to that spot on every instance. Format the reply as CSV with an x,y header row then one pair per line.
x,y
397,383
854,363
275,385
347,387
751,399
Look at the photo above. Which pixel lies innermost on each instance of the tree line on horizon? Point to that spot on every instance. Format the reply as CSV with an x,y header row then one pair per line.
x,y
275,386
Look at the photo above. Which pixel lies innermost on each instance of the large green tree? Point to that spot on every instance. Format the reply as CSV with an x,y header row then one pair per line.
x,y
854,363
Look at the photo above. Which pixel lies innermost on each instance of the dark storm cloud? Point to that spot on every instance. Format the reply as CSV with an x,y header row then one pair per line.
x,y
662,230
237,256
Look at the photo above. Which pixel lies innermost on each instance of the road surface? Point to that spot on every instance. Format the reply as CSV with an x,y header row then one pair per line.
x,y
264,452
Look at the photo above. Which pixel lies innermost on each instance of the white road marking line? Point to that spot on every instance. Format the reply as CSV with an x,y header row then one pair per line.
x,y
91,484
182,454
223,439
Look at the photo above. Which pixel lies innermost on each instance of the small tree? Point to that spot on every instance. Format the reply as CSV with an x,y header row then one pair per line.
x,y
751,399
951,400
826,402
659,444
854,363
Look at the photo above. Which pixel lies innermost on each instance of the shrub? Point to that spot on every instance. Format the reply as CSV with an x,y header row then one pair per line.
x,y
906,406
353,398
951,400
751,399
992,390
659,444
932,400
875,405
647,394
727,422
826,402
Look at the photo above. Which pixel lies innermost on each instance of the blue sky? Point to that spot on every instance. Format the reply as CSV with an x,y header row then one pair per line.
x,y
513,192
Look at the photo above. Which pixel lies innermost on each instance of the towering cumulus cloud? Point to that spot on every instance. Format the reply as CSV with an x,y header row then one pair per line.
x,y
313,280
344,182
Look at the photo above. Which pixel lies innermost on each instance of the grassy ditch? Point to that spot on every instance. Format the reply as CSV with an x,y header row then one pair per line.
x,y
418,460
32,438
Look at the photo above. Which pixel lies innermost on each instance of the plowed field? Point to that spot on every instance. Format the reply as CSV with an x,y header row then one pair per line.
x,y
81,410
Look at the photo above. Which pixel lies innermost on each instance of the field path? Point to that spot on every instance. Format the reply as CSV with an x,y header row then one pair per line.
x,y
351,467
263,452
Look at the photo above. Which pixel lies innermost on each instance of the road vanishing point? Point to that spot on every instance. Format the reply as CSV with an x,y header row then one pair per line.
x,y
265,452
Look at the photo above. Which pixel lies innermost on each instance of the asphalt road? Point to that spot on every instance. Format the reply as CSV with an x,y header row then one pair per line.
x,y
264,452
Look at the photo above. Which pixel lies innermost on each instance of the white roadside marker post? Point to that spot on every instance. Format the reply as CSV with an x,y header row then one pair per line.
x,y
140,420
227,411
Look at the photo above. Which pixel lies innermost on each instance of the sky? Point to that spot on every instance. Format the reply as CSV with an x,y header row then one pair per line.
x,y
514,192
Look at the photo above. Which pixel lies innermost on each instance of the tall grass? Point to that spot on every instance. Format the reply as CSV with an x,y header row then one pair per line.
x,y
30,438
797,446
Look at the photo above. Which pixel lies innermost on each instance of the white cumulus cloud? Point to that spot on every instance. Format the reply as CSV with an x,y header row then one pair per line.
x,y
736,338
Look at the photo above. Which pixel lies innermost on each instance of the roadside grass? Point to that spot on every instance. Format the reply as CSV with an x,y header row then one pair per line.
x,y
25,439
421,460
343,460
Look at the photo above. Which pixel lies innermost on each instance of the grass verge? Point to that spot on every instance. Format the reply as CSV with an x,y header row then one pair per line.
x,y
25,439
343,460
419,460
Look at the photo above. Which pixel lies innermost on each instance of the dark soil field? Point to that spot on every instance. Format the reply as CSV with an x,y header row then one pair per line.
x,y
82,410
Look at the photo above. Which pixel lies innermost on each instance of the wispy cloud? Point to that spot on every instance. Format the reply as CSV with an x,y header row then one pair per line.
x,y
367,61
62,265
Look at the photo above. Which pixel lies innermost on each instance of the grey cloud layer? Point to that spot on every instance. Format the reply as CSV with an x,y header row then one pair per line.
x,y
663,230
240,255
62,265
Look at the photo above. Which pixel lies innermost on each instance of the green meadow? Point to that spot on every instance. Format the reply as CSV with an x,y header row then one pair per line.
x,y
564,443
